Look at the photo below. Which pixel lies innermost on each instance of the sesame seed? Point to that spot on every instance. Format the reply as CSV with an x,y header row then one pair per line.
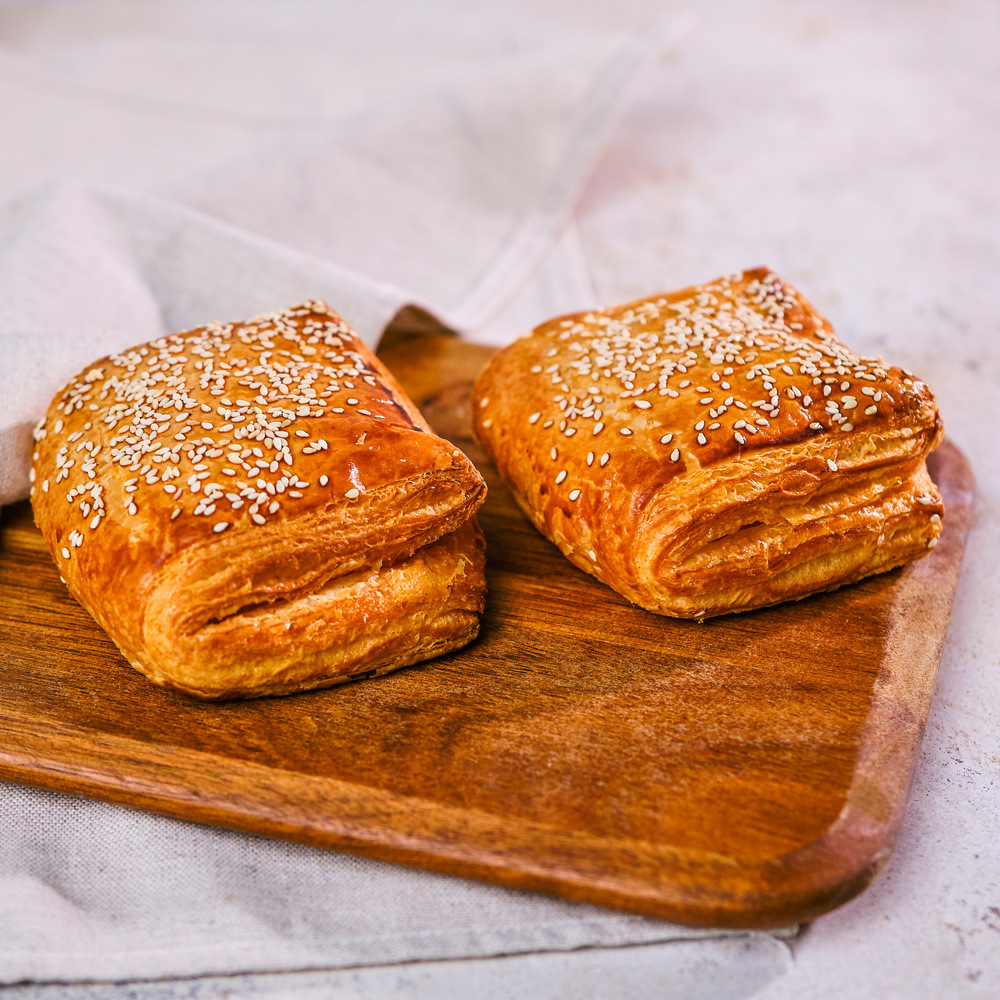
x,y
590,458
598,427
574,495
666,439
675,455
932,543
352,494
351,401
258,519
323,480
65,553
605,458
626,432
554,454
870,410
221,526
643,404
935,518
533,419
560,477
702,439
831,465
739,437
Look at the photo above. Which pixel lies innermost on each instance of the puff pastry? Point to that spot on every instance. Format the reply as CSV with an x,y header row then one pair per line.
x,y
257,508
714,449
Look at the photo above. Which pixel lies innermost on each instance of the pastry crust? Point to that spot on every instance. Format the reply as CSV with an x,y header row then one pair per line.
x,y
257,508
715,449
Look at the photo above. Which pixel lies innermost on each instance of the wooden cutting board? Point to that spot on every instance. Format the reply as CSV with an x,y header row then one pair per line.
x,y
747,772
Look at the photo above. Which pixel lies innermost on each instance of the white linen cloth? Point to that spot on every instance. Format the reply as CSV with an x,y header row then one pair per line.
x,y
455,192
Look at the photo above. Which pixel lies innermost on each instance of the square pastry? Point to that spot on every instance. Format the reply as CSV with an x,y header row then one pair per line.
x,y
257,508
715,449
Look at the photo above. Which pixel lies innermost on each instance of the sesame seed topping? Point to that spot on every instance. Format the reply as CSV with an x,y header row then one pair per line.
x,y
574,495
625,431
643,404
935,518
590,458
221,526
598,427
605,458
831,465
666,439
533,419
560,477
702,439
932,543
166,439
352,494
323,480
65,553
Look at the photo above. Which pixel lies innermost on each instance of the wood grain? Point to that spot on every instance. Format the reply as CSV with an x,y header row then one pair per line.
x,y
746,772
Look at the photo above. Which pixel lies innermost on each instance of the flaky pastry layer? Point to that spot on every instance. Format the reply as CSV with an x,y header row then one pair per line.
x,y
715,449
256,508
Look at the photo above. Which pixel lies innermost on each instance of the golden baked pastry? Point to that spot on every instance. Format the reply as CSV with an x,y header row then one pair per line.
x,y
713,450
257,508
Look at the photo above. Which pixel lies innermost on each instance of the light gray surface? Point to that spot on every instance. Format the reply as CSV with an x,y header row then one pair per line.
x,y
854,147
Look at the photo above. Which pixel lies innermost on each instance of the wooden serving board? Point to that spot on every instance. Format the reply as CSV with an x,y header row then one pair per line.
x,y
747,772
